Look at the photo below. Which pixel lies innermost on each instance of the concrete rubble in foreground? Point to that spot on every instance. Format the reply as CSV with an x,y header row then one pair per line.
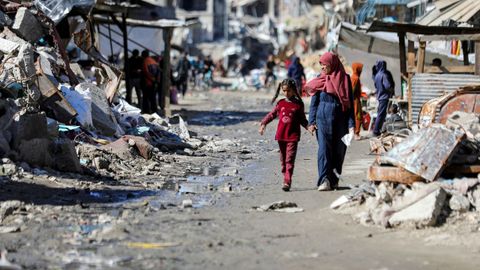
x,y
420,179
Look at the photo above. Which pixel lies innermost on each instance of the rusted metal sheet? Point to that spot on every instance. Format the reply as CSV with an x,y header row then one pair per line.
x,y
437,110
394,174
426,152
425,86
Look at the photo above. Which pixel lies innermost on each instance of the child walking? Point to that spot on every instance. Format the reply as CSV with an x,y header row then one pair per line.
x,y
291,114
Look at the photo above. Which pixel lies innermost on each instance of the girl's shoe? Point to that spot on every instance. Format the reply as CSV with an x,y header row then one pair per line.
x,y
286,187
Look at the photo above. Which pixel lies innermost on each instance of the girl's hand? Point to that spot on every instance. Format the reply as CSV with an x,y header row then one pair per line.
x,y
312,129
261,130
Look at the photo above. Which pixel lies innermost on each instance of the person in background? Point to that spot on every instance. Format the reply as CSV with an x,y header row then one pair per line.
x,y
151,71
269,68
357,93
135,63
295,72
182,69
208,66
385,88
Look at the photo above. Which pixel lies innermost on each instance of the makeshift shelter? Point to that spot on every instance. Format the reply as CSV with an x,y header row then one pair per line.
x,y
412,62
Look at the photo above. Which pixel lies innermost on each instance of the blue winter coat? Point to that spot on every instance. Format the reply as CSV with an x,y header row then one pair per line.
x,y
384,81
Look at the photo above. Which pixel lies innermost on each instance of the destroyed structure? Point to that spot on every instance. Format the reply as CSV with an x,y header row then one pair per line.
x,y
54,116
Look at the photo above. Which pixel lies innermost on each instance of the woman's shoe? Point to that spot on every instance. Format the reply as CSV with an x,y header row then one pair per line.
x,y
325,186
286,187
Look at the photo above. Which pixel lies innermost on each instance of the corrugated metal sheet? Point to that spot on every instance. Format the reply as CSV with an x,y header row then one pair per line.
x,y
428,86
459,11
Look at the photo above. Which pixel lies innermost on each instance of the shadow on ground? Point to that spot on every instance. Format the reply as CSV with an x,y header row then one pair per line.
x,y
220,118
43,195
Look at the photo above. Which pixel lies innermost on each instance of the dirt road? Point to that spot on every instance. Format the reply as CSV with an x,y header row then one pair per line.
x,y
222,231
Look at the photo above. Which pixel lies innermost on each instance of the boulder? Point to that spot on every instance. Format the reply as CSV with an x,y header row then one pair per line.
x,y
424,211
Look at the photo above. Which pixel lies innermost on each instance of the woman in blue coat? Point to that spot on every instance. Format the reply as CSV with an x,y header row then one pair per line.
x,y
331,116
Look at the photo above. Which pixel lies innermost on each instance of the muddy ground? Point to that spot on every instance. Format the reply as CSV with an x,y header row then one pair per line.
x,y
105,223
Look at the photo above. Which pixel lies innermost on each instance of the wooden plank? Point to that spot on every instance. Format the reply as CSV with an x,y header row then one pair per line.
x,y
379,26
393,174
403,56
474,37
421,57
450,69
463,169
465,53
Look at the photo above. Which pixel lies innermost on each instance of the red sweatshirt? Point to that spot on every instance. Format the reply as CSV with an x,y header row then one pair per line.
x,y
291,116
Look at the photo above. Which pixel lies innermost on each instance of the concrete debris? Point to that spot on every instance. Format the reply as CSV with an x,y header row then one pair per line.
x,y
474,198
5,20
7,208
5,264
102,117
424,211
7,46
27,26
459,203
187,203
469,122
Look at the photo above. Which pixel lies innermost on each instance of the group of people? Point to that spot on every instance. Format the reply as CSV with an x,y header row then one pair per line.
x,y
335,111
145,73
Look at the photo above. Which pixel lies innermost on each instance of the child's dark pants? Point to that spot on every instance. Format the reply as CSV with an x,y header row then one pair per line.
x,y
288,152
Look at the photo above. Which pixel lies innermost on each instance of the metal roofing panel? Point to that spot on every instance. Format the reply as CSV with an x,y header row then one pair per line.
x,y
428,86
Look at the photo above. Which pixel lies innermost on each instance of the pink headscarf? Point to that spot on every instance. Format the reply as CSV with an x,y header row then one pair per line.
x,y
335,83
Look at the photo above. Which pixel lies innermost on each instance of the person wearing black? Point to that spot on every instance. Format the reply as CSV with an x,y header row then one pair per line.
x,y
208,65
135,73
182,78
269,66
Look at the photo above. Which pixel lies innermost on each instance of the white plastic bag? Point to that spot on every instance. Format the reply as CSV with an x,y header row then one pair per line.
x,y
81,101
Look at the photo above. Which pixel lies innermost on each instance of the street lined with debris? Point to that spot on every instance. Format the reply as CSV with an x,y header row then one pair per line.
x,y
142,222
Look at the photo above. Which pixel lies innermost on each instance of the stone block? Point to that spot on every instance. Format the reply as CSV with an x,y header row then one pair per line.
x,y
37,152
28,127
66,158
27,26
423,212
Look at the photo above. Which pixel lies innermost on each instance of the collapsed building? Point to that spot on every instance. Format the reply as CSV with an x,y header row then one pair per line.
x,y
55,116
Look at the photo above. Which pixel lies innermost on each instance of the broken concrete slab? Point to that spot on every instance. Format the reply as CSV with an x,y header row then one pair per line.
x,y
25,62
121,148
470,122
144,148
426,152
27,26
29,126
423,212
7,46
103,119
5,20
66,158
36,152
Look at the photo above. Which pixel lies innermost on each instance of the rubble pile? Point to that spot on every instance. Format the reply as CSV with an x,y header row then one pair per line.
x,y
54,117
423,178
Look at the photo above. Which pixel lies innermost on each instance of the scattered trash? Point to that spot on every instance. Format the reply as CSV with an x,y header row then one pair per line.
x,y
280,206
143,245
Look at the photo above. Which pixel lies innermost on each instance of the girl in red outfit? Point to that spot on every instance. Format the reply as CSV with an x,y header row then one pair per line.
x,y
291,114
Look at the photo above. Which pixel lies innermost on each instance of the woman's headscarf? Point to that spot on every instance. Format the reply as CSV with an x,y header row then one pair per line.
x,y
334,83
357,70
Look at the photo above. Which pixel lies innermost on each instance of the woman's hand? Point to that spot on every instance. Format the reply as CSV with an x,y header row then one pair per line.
x,y
312,129
261,130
